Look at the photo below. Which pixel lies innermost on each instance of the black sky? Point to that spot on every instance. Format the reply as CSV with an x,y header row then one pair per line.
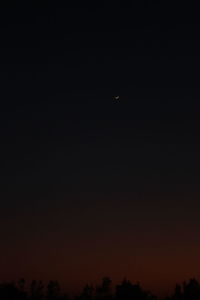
x,y
74,161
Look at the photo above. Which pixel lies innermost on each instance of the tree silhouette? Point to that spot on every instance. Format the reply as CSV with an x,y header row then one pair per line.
x,y
178,295
104,290
36,290
124,291
191,290
21,285
188,291
53,290
9,291
87,293
128,291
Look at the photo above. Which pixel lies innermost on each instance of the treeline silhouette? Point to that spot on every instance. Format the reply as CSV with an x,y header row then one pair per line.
x,y
126,290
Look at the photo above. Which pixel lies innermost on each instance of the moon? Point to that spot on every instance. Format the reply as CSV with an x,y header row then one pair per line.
x,y
116,97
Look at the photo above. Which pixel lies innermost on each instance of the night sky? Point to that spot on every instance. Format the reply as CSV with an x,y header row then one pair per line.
x,y
91,186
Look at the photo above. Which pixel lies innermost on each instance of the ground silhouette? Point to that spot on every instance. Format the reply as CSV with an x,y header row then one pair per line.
x,y
126,290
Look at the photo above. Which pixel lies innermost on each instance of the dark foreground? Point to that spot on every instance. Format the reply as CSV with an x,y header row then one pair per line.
x,y
126,290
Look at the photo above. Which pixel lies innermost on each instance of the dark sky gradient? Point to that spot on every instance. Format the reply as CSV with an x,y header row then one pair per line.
x,y
91,186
